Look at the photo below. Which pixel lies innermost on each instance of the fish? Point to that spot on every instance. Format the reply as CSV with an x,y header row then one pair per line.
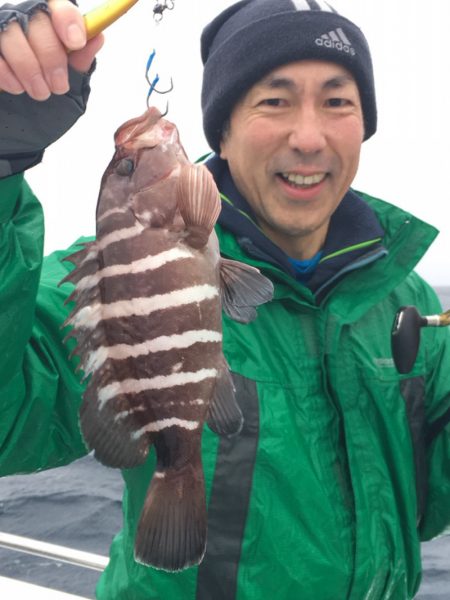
x,y
148,297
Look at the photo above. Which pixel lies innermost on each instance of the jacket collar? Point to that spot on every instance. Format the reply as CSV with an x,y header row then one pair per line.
x,y
354,237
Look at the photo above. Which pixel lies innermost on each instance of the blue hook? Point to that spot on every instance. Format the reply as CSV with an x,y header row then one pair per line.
x,y
153,83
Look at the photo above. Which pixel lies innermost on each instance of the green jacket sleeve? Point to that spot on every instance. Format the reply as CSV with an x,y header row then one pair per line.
x,y
39,391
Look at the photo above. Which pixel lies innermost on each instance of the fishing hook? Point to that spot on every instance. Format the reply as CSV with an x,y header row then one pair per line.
x,y
166,111
153,83
160,7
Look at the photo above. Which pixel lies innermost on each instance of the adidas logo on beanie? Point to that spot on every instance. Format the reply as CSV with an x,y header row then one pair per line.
x,y
252,37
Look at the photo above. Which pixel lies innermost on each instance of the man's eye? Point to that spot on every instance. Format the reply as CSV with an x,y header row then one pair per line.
x,y
273,102
338,102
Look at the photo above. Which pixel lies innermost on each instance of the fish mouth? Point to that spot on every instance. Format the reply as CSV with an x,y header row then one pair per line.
x,y
139,127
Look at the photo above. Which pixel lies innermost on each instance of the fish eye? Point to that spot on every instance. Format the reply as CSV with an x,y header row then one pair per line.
x,y
125,167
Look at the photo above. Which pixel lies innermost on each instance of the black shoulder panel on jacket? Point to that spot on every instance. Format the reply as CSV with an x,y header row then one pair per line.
x,y
413,392
437,426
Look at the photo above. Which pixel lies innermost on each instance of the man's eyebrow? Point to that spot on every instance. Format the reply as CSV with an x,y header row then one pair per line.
x,y
273,82
276,82
338,82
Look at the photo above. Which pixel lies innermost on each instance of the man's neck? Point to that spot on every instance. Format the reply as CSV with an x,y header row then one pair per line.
x,y
299,246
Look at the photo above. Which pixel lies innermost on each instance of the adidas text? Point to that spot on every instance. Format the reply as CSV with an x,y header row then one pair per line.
x,y
336,39
337,45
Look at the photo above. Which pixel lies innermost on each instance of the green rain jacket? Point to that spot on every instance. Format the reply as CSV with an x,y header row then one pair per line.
x,y
343,465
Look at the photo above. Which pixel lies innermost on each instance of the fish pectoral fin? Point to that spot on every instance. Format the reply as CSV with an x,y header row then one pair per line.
x,y
171,533
242,289
198,202
224,415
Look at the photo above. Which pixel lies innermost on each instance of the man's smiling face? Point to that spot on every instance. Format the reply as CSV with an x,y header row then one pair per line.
x,y
293,147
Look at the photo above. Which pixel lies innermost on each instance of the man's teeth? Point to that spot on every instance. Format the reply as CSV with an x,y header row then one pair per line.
x,y
304,180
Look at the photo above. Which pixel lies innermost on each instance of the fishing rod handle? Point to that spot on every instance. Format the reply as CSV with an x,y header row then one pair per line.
x,y
99,18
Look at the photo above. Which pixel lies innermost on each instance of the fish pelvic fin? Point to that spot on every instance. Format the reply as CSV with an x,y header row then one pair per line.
x,y
171,533
198,202
242,289
224,415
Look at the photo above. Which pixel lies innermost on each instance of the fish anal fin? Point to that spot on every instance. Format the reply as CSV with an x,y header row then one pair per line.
x,y
171,534
198,202
224,415
242,289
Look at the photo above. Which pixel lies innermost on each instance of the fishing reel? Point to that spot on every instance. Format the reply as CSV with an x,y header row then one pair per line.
x,y
405,335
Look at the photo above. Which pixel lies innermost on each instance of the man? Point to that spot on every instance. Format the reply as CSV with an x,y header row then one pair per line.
x,y
342,465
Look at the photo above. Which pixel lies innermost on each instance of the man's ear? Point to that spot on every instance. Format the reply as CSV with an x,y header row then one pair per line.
x,y
223,151
223,139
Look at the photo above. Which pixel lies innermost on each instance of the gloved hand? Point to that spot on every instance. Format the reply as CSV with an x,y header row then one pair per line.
x,y
45,68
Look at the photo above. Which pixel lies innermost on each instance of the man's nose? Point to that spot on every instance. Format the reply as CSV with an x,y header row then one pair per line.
x,y
307,132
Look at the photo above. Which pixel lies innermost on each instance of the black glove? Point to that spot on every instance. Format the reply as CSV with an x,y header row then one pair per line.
x,y
28,126
21,13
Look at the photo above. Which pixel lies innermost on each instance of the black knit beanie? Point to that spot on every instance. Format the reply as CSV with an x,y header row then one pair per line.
x,y
252,37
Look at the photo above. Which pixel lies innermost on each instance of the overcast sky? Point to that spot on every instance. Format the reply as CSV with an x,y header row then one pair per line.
x,y
407,162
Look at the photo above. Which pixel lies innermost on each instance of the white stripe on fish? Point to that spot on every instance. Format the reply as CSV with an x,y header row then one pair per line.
x,y
143,407
164,343
164,424
160,382
149,263
89,316
115,236
112,211
197,402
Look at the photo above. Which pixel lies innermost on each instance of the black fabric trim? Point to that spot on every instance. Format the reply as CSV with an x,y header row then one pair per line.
x,y
377,251
230,497
437,426
19,163
413,392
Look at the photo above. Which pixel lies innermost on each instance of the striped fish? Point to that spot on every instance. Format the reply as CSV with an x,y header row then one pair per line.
x,y
149,294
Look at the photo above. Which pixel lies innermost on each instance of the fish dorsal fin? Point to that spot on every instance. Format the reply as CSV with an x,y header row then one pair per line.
x,y
242,289
199,203
85,261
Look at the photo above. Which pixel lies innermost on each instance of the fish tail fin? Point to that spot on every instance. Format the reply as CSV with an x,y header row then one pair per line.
x,y
171,534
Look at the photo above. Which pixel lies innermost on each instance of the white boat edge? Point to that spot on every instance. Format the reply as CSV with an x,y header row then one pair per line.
x,y
53,551
13,588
